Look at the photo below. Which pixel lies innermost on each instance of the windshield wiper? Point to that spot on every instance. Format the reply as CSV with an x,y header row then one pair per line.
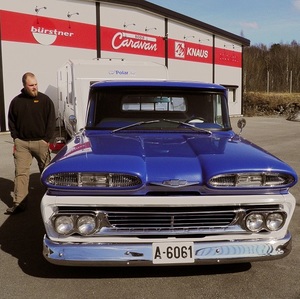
x,y
140,123
187,125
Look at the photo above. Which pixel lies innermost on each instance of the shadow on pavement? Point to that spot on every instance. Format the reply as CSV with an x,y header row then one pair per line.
x,y
6,187
21,236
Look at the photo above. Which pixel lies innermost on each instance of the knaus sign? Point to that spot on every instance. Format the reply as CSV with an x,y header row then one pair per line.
x,y
193,52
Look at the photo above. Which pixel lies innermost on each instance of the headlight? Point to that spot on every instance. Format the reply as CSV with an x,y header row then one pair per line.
x,y
254,222
86,225
92,180
64,225
257,221
275,221
68,224
251,180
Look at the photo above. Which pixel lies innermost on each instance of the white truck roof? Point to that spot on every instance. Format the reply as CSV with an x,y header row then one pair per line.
x,y
99,69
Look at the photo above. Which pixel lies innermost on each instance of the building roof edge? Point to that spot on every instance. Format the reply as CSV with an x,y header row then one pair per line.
x,y
167,13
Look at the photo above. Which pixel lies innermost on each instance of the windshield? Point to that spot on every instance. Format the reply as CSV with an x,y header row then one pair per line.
x,y
156,108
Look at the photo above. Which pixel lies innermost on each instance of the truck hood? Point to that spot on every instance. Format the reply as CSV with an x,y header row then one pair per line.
x,y
156,158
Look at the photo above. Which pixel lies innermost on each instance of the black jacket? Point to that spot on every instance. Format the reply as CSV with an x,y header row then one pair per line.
x,y
31,118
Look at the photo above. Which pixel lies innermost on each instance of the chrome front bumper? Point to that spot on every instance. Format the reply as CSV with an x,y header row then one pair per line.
x,y
125,254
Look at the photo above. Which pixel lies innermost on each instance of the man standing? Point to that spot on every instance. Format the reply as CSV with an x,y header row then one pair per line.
x,y
31,121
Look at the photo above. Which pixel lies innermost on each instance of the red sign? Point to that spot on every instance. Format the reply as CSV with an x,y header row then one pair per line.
x,y
228,57
17,27
123,41
183,50
25,28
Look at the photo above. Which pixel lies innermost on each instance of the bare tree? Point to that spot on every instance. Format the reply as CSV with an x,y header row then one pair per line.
x,y
275,69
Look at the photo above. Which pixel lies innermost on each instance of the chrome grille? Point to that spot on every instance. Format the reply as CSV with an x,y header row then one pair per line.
x,y
169,220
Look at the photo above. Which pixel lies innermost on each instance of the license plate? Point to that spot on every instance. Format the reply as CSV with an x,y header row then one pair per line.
x,y
173,253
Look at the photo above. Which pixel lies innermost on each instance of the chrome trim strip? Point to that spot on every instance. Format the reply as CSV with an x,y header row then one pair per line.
x,y
123,254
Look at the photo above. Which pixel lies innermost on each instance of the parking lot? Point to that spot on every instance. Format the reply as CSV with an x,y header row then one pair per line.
x,y
25,273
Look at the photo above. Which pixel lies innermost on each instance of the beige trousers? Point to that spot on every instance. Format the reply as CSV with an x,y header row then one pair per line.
x,y
24,152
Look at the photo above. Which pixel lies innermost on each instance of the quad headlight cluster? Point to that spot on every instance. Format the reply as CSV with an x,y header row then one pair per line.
x,y
91,180
251,180
87,224
258,221
70,224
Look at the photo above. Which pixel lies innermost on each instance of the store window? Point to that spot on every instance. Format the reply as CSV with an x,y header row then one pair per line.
x,y
231,93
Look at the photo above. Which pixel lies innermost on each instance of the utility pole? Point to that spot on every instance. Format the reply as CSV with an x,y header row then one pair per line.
x,y
291,81
268,81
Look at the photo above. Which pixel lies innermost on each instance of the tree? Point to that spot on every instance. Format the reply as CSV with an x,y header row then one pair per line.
x,y
275,69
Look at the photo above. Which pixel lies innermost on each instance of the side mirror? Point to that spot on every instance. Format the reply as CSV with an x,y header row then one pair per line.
x,y
72,119
241,124
73,122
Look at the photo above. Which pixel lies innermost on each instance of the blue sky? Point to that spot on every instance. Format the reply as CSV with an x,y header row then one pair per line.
x,y
261,21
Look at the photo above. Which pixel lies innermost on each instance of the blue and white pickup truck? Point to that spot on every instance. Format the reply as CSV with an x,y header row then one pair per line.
x,y
158,177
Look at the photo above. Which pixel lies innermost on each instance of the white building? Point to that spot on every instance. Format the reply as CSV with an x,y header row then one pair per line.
x,y
40,35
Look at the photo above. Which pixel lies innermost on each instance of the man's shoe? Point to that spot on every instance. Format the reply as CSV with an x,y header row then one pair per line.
x,y
16,208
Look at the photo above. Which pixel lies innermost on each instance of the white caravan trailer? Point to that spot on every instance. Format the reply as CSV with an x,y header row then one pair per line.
x,y
75,77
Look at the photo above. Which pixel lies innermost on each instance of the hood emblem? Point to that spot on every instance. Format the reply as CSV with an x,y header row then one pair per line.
x,y
174,183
